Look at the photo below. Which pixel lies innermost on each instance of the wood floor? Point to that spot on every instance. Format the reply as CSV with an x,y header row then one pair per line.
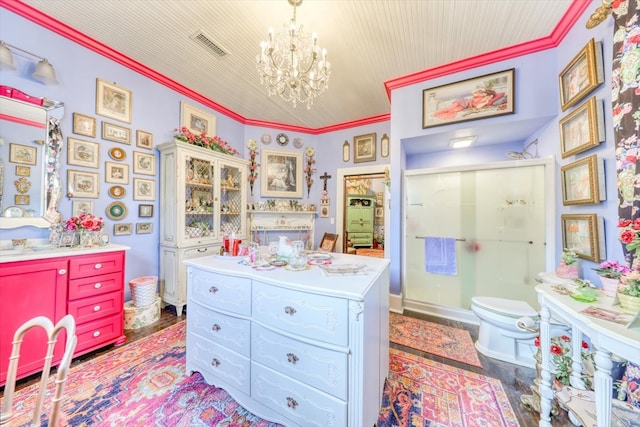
x,y
515,379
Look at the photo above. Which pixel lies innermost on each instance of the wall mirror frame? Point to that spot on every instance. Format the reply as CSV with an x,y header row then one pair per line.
x,y
46,185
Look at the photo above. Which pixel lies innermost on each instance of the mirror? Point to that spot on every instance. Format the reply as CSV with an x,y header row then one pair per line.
x,y
30,151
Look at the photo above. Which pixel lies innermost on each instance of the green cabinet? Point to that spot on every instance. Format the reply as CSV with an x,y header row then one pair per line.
x,y
359,220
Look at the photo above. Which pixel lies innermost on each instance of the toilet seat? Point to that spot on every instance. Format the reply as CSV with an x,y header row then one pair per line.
x,y
505,307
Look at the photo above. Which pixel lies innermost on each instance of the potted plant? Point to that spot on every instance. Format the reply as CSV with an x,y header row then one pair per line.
x,y
568,267
629,292
610,273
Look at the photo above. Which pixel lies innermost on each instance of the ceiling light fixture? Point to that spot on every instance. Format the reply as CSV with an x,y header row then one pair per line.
x,y
44,71
292,65
462,142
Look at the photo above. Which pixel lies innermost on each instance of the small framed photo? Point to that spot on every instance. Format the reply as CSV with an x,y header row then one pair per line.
x,y
582,75
384,145
144,139
23,171
116,173
582,129
324,211
145,211
67,239
144,163
83,184
144,189
346,151
197,120
83,153
582,182
122,229
379,212
113,101
84,125
23,154
21,199
364,148
582,233
144,228
116,133
81,206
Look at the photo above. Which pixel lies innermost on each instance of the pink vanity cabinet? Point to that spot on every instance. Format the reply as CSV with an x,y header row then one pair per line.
x,y
89,285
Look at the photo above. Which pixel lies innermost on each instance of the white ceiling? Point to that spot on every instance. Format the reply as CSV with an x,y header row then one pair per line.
x,y
368,42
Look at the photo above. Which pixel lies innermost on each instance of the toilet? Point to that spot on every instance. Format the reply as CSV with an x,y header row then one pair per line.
x,y
499,337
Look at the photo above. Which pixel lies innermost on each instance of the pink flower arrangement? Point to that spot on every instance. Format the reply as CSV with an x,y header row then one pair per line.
x,y
84,221
611,269
214,143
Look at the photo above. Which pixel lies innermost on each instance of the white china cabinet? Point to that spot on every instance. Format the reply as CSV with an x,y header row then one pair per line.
x,y
202,197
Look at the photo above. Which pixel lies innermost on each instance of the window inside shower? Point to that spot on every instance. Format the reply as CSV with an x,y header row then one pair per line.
x,y
494,218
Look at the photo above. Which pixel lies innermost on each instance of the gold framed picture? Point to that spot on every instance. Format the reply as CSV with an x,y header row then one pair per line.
x,y
582,233
364,148
144,139
122,229
582,75
582,129
113,101
116,133
21,199
84,125
144,163
116,173
197,120
144,228
83,184
144,189
23,170
23,154
582,183
83,153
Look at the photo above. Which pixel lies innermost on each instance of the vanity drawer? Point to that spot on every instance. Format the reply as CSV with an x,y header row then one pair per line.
x,y
300,403
219,362
92,265
232,294
228,331
319,367
313,316
92,308
94,285
91,335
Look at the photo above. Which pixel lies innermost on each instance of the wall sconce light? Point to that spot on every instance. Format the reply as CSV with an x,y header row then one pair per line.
x,y
346,151
384,145
44,71
462,142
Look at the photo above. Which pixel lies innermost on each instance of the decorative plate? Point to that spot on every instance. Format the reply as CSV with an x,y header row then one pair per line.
x,y
297,142
282,139
117,192
278,262
117,153
266,139
116,211
13,212
343,268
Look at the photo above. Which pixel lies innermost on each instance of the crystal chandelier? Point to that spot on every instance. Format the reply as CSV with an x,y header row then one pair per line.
x,y
292,65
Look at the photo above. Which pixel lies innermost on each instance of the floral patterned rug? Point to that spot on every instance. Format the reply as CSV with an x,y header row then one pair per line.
x,y
452,343
425,393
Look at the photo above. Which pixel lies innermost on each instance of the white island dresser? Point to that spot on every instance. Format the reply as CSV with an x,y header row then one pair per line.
x,y
301,348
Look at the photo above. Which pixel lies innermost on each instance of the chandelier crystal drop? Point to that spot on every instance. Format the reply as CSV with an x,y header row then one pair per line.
x,y
292,65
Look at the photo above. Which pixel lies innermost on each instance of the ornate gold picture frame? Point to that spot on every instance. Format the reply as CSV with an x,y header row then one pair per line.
x,y
582,75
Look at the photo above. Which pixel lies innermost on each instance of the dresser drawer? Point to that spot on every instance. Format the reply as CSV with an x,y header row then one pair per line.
x,y
94,285
232,294
313,316
201,251
228,331
95,333
92,308
219,361
298,402
92,265
360,238
319,367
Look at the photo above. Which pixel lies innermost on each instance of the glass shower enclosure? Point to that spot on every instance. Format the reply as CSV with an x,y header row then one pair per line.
x,y
494,217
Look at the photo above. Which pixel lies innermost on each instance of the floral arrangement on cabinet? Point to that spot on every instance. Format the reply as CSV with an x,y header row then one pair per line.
x,y
84,222
214,143
252,145
309,169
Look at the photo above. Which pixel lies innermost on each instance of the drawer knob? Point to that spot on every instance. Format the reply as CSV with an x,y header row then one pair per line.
x,y
215,363
62,271
290,310
96,334
98,266
96,308
201,250
291,403
213,290
292,358
215,327
97,285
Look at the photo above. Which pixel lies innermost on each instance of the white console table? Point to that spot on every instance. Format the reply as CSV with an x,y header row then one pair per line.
x,y
606,338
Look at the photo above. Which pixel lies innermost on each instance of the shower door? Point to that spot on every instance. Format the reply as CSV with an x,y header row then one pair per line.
x,y
497,218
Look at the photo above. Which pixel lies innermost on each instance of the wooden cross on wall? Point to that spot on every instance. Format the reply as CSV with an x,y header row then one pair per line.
x,y
325,177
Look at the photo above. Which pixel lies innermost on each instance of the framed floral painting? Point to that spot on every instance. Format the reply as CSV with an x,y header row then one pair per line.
x,y
582,75
113,101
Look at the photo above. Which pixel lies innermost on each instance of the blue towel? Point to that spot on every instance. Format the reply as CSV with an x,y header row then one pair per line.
x,y
440,255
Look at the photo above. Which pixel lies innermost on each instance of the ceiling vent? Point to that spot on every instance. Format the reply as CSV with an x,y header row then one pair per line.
x,y
205,41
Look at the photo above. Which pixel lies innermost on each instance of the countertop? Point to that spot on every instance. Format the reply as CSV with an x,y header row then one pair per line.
x,y
45,251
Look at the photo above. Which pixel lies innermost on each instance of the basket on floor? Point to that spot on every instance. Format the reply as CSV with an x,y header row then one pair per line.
x,y
143,290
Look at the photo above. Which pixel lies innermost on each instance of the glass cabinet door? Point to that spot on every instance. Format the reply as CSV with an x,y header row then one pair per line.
x,y
199,199
232,209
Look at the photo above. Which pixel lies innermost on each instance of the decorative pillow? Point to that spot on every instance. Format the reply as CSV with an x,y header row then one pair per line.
x,y
629,385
